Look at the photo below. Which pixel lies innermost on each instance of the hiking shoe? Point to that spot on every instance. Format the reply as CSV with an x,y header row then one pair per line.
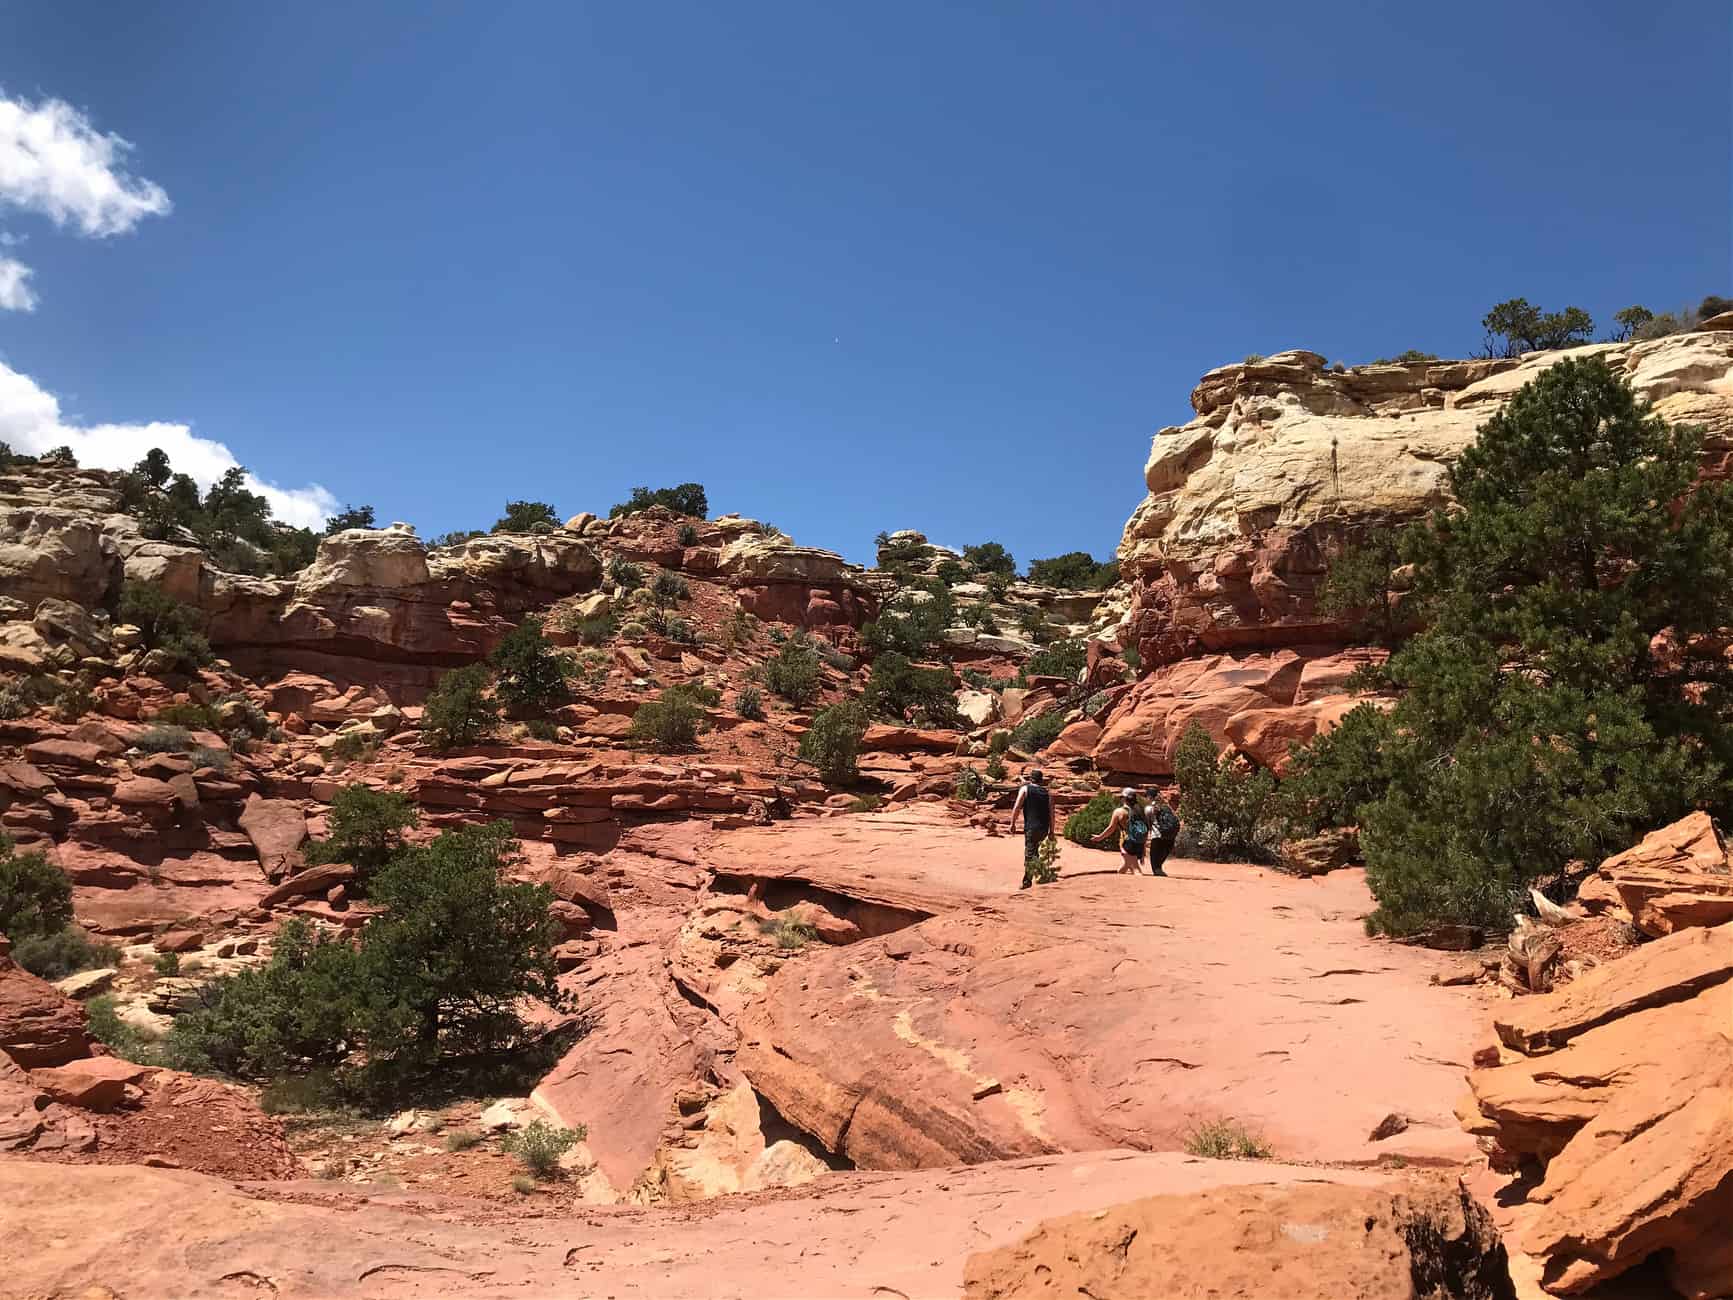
x,y
1157,871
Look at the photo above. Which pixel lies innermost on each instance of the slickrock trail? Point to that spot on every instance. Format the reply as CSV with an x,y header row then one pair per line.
x,y
135,1232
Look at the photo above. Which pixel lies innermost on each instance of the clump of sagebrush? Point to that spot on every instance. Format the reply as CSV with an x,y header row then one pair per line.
x,y
595,631
459,711
865,803
672,720
436,977
1225,803
540,1145
832,743
969,786
1060,659
529,673
624,574
1566,694
365,829
1225,1139
749,703
793,673
790,935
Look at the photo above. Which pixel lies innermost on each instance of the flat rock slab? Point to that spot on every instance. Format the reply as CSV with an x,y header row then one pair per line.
x,y
1103,1011
148,1233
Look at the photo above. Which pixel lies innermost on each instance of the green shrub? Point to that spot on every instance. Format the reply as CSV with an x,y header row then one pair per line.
x,y
790,935
590,667
1091,819
1061,659
1032,735
35,895
529,673
970,787
1043,868
687,535
540,1145
794,672
1405,357
1332,779
542,729
1223,802
832,743
165,624
592,631
438,973
354,747
671,721
126,1042
458,712
898,688
365,829
167,964
1032,623
188,713
524,516
1225,1139
624,574
913,622
866,803
1360,586
995,768
633,631
462,1139
163,740
990,557
739,630
684,499
60,953
205,757
1515,326
1074,571
669,588
680,632
749,703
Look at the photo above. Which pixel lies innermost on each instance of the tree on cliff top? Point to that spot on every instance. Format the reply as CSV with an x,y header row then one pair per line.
x,y
1517,326
1562,699
525,517
683,499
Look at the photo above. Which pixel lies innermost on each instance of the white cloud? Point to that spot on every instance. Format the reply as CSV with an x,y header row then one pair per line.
x,y
30,421
15,294
54,163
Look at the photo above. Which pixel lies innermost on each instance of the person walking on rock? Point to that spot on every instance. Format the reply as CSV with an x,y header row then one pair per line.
x,y
1130,822
1036,805
1164,831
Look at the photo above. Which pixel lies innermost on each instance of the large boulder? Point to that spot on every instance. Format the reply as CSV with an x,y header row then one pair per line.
x,y
1674,878
1318,1242
50,553
39,1025
1620,1086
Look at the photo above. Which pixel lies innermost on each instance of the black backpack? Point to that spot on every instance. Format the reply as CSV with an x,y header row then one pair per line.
x,y
1166,822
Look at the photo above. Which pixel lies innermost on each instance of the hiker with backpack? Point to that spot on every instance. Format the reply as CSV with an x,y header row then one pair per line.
x,y
1130,821
1164,831
1036,806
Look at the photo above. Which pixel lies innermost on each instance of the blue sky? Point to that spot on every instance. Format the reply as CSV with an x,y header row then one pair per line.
x,y
851,266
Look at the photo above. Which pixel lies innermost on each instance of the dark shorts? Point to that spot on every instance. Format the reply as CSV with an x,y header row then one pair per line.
x,y
1032,841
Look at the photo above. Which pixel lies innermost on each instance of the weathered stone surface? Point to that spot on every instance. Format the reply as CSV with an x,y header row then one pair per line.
x,y
1143,731
1098,1007
1286,459
1331,850
278,829
1625,1095
1248,1243
162,1232
313,880
1266,736
39,1026
93,1083
1675,878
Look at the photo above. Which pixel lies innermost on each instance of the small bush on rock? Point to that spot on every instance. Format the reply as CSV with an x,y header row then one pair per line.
x,y
624,574
61,953
1032,735
898,688
524,516
1091,819
749,704
593,631
163,740
794,672
687,535
685,499
35,895
1061,659
529,673
1225,1139
990,557
969,787
671,721
458,712
165,624
540,1145
832,743
365,829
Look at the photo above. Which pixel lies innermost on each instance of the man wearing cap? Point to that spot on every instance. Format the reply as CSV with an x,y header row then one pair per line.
x,y
1036,805
1130,821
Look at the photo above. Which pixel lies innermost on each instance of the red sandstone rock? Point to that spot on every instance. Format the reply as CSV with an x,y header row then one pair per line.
x,y
65,754
1675,878
881,738
314,880
94,1083
1251,1243
1266,735
1076,741
278,829
39,1026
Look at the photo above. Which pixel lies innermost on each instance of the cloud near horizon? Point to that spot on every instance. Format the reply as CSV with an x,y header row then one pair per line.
x,y
56,164
31,422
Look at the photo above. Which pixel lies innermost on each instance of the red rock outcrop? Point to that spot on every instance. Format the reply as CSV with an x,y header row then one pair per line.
x,y
39,1025
1673,879
1247,1243
1620,1086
